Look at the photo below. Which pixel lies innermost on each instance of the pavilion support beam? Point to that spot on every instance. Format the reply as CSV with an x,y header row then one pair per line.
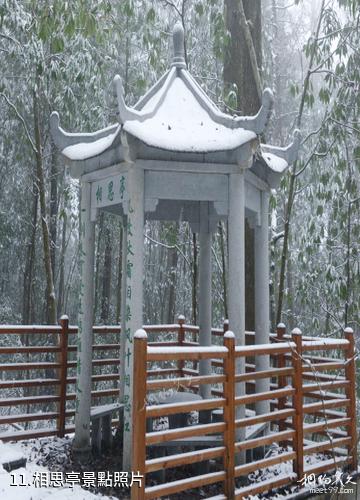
x,y
81,443
205,311
134,295
123,310
236,278
262,313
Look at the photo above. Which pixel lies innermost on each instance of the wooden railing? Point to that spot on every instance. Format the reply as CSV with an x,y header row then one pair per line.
x,y
301,426
45,403
52,393
304,408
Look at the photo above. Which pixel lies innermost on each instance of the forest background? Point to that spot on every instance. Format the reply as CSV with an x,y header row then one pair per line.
x,y
62,55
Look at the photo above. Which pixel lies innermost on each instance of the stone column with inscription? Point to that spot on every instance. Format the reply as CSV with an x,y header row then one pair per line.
x,y
134,294
123,311
81,444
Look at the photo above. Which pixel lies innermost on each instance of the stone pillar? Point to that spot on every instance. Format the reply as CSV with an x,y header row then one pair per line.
x,y
262,307
236,277
123,310
205,312
81,443
134,293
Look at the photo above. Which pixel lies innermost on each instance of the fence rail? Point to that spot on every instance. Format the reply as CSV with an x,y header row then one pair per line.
x,y
311,397
299,425
55,356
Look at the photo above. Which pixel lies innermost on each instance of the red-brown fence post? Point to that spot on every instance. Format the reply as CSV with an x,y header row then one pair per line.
x,y
139,412
229,415
298,420
226,325
281,362
350,374
63,361
181,340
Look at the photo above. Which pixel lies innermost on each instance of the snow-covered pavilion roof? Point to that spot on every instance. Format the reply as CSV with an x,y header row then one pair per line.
x,y
175,120
178,118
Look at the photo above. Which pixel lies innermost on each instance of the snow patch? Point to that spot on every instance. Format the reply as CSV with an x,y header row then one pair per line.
x,y
9,453
276,163
29,491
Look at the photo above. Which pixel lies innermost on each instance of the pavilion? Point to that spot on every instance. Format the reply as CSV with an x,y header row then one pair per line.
x,y
173,156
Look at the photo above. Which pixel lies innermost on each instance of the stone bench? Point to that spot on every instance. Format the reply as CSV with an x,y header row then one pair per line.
x,y
101,432
178,419
182,420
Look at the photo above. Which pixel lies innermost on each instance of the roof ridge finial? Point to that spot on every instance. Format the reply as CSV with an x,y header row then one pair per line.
x,y
178,40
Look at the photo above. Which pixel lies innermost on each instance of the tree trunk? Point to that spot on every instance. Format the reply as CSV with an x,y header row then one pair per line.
x,y
172,265
239,70
50,291
97,260
30,261
291,322
293,175
61,298
161,280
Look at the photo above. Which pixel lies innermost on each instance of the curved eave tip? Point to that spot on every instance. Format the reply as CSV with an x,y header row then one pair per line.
x,y
178,28
261,120
267,102
117,78
296,143
54,120
118,86
297,134
123,112
294,147
140,334
55,130
267,98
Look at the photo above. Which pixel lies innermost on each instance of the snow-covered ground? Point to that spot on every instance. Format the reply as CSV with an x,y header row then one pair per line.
x,y
23,483
48,460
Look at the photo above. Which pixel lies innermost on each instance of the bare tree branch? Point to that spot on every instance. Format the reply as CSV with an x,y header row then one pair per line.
x,y
171,4
22,120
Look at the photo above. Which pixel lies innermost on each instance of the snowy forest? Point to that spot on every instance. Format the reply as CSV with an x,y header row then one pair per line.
x,y
60,55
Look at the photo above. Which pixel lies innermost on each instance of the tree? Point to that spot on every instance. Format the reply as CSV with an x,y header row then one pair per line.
x,y
242,67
